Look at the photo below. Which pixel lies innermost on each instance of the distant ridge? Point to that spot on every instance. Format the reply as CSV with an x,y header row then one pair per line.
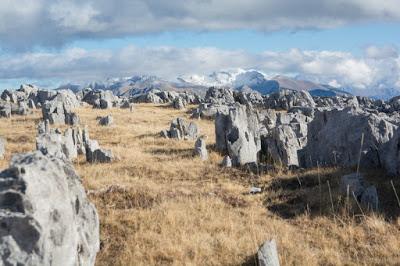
x,y
235,78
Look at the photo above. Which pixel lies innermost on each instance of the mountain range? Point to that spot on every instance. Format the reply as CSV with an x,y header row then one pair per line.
x,y
235,78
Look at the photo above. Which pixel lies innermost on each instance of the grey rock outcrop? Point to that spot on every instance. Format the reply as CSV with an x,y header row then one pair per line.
x,y
102,99
282,145
72,119
355,187
352,184
31,104
125,104
180,129
95,154
334,138
268,254
67,146
2,147
200,149
63,146
286,99
219,95
179,103
226,162
369,198
45,215
106,120
217,100
147,97
237,134
247,96
5,109
58,110
210,111
283,135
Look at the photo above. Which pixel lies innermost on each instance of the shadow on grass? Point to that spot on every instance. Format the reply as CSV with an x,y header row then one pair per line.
x,y
314,194
166,106
251,260
180,153
148,135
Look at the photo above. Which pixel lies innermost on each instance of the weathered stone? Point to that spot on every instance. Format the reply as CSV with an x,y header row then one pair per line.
x,y
103,99
305,110
220,95
238,135
125,104
47,126
268,254
3,143
69,146
369,198
58,109
247,96
334,138
31,104
105,104
175,133
5,109
255,190
179,103
106,120
21,109
80,144
210,111
164,134
192,131
282,145
41,127
65,146
45,215
286,99
353,184
72,119
54,111
200,149
180,129
51,144
226,162
94,154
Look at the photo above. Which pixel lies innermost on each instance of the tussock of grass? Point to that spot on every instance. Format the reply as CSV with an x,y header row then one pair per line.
x,y
159,205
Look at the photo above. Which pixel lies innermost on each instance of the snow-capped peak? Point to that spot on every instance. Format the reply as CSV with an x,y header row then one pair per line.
x,y
230,77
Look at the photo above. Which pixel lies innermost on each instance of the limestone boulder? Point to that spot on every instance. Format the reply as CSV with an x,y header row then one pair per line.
x,y
237,134
200,149
106,120
338,137
3,143
45,215
95,154
181,129
220,95
268,254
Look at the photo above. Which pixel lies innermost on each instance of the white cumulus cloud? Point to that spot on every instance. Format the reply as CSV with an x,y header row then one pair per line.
x,y
25,24
328,67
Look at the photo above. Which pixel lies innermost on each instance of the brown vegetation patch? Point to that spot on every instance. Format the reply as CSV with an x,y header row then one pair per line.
x,y
117,197
159,205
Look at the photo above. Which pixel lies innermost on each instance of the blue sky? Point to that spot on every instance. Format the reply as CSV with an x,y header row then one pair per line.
x,y
349,38
348,43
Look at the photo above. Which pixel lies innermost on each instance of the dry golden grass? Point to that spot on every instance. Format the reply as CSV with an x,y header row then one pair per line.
x,y
160,206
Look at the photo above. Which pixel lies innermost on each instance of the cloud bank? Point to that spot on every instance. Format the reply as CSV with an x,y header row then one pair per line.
x,y
379,67
25,24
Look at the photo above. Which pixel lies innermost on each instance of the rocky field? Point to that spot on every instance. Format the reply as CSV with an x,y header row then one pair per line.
x,y
161,204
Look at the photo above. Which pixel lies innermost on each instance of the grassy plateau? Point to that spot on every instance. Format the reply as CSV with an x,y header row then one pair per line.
x,y
160,205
